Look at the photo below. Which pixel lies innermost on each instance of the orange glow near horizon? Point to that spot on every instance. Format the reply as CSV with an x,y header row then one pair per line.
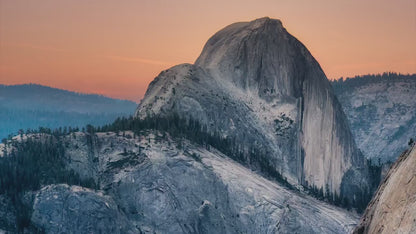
x,y
116,48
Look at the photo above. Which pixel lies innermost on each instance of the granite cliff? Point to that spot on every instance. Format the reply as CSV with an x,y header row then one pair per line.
x,y
393,207
258,84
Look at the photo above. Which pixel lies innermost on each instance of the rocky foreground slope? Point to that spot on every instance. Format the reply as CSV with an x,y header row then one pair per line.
x,y
393,208
381,110
258,84
151,183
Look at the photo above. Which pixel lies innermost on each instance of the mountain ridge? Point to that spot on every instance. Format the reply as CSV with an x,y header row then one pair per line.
x,y
256,82
27,91
33,106
381,109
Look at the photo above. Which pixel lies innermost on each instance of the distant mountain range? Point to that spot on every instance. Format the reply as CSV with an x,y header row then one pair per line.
x,y
32,105
381,110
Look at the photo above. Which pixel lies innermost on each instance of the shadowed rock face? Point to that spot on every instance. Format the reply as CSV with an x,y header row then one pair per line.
x,y
393,208
256,82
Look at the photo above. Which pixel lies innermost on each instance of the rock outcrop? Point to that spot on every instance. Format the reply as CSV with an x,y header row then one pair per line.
x,y
258,84
149,183
73,209
153,183
393,208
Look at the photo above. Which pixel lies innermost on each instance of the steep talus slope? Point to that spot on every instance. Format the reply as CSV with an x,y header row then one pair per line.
x,y
149,184
258,84
393,208
381,110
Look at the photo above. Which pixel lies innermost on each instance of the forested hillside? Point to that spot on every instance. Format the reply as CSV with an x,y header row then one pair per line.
x,y
381,110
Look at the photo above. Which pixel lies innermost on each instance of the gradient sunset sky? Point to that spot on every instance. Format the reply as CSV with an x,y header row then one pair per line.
x,y
116,48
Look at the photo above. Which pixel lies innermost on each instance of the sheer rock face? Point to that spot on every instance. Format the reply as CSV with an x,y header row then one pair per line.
x,y
148,185
256,82
393,208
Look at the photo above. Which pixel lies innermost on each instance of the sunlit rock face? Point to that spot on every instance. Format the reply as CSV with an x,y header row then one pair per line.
x,y
257,83
393,208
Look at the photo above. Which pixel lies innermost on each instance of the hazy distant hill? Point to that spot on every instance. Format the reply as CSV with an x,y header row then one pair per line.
x,y
31,106
381,110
